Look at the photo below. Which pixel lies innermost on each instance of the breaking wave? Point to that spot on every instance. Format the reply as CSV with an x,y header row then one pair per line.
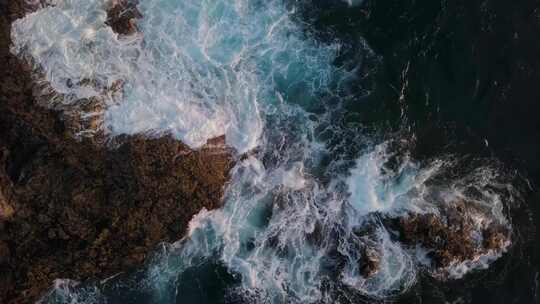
x,y
197,69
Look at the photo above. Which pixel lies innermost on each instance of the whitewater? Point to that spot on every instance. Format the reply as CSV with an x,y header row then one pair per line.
x,y
308,193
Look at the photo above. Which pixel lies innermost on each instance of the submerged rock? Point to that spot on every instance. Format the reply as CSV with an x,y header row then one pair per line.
x,y
74,208
122,16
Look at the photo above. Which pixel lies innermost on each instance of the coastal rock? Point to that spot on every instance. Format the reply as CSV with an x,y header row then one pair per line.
x,y
494,239
369,264
6,210
122,16
75,208
453,235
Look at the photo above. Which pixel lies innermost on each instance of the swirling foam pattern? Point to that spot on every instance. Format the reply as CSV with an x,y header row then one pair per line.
x,y
199,69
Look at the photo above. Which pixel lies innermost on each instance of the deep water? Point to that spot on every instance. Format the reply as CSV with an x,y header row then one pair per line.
x,y
353,113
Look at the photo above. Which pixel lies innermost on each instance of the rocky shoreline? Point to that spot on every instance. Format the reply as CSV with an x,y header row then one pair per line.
x,y
74,208
83,208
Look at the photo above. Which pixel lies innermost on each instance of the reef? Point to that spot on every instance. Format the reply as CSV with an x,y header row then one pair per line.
x,y
77,208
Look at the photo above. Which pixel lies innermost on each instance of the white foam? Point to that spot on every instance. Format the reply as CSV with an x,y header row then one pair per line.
x,y
375,188
411,188
294,177
354,3
459,269
70,292
197,70
396,271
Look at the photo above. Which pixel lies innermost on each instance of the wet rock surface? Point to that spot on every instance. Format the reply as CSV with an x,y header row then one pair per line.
x,y
455,235
75,209
370,262
122,16
6,195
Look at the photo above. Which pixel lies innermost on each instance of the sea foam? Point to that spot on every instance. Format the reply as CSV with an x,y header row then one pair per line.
x,y
197,69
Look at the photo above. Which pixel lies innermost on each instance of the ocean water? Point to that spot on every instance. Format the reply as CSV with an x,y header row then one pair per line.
x,y
314,188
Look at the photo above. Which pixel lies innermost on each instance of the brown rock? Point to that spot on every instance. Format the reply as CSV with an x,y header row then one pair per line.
x,y
6,210
79,209
369,264
122,16
494,239
450,235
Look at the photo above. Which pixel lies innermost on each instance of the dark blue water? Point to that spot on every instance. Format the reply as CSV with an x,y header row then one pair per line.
x,y
468,70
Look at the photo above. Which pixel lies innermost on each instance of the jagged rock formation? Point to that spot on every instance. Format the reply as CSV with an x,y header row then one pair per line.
x,y
455,235
76,209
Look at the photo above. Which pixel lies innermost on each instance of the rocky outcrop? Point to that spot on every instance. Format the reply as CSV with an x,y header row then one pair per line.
x,y
122,16
72,208
370,262
6,208
455,235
